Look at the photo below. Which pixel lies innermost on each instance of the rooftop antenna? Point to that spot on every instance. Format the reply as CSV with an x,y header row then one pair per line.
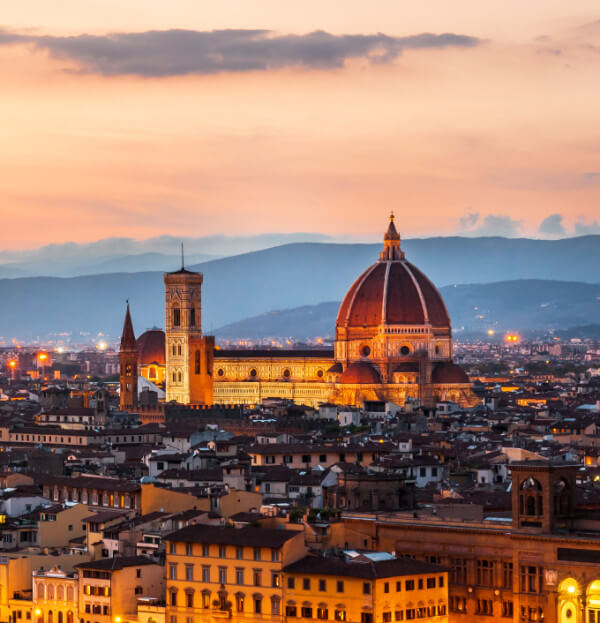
x,y
182,262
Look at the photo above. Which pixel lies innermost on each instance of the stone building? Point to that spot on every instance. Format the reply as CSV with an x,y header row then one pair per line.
x,y
393,342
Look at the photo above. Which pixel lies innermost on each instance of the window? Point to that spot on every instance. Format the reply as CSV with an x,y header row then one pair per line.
x,y
239,576
173,619
291,611
507,609
531,579
410,614
458,571
239,552
189,599
291,583
420,583
339,615
306,584
387,617
398,586
205,599
257,553
172,572
421,612
485,572
274,555
366,617
138,573
138,590
430,582
399,615
205,551
193,318
339,586
189,572
366,588
275,604
322,458
222,551
458,604
306,458
322,586
386,587
222,575
306,612
173,598
172,548
189,550
205,573
257,577
176,317
239,602
410,585
322,613
485,607
507,575
258,605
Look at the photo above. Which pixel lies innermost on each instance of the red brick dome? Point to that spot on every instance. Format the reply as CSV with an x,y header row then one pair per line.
x,y
360,372
447,372
393,291
151,347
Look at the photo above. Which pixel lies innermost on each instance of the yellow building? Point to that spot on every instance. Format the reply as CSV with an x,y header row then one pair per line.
x,y
15,578
108,589
213,572
55,596
260,574
365,588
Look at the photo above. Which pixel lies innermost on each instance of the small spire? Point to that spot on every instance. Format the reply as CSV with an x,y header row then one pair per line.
x,y
182,258
128,336
391,243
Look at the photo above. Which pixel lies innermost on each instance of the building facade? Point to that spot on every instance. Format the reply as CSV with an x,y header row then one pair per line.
x,y
393,343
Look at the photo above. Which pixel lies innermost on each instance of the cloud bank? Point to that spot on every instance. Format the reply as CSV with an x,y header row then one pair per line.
x,y
160,53
473,224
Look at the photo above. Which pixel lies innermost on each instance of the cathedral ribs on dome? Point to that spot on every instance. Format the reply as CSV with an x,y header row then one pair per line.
x,y
393,328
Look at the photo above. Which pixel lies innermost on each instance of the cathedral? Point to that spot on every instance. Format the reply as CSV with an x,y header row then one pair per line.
x,y
393,343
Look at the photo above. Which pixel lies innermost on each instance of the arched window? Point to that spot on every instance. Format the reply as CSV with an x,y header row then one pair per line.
x,y
193,317
179,349
179,377
50,591
60,593
197,362
560,494
531,502
69,614
69,597
174,377
50,616
176,317
275,604
60,616
40,591
174,349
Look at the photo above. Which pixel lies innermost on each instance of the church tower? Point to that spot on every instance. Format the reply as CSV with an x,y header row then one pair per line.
x,y
189,355
128,360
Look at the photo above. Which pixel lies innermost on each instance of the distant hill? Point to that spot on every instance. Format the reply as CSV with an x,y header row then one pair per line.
x,y
510,305
296,275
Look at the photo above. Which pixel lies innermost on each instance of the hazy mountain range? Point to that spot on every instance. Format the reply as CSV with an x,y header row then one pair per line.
x,y
307,274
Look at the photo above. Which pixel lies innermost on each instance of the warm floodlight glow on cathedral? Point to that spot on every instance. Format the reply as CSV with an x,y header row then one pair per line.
x,y
393,342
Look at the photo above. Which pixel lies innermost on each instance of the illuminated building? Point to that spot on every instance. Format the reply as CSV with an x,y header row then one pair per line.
x,y
541,564
260,574
393,343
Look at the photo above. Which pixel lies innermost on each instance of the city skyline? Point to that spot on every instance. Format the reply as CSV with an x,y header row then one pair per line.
x,y
272,126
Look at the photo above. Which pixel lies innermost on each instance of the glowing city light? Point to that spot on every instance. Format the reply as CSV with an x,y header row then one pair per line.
x,y
101,346
43,356
12,363
491,332
511,337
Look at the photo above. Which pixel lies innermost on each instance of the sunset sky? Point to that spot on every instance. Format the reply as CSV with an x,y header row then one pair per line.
x,y
195,118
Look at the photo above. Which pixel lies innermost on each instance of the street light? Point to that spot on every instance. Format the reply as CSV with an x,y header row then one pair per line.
x,y
12,364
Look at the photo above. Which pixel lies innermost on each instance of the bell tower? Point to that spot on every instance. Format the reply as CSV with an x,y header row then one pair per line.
x,y
189,355
128,361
